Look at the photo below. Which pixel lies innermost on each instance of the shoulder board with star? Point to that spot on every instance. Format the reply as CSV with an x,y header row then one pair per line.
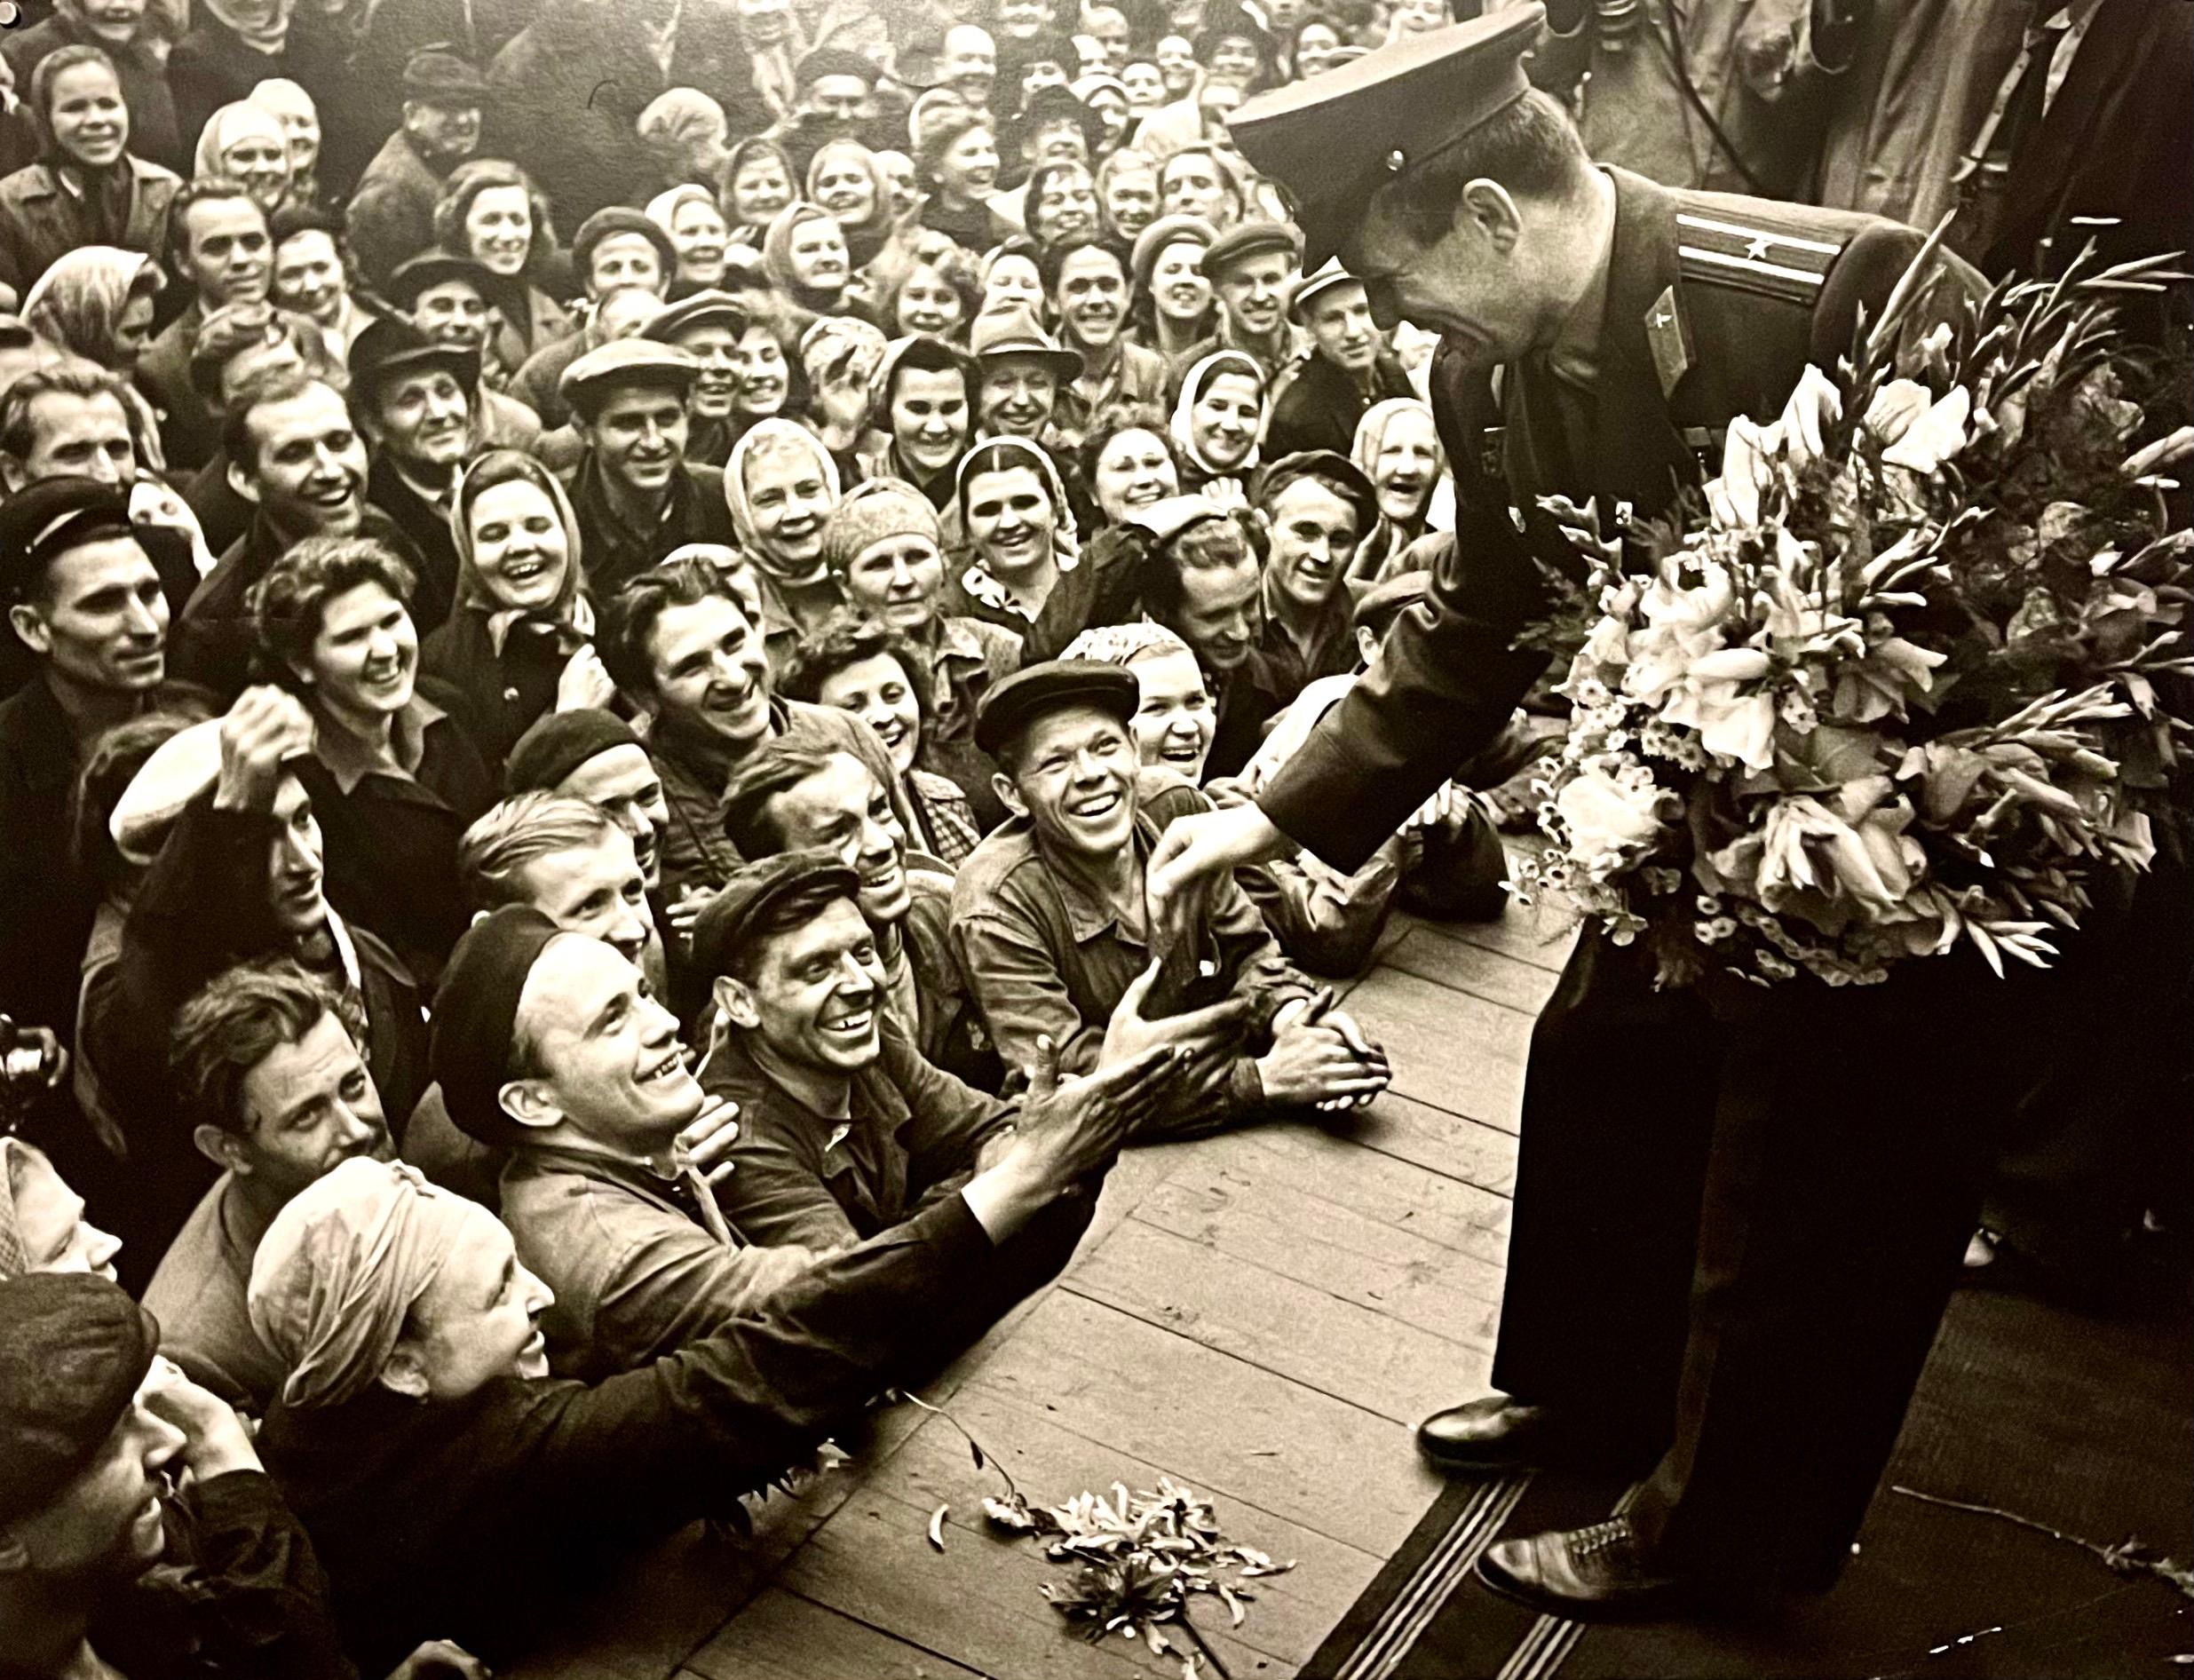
x,y
1716,249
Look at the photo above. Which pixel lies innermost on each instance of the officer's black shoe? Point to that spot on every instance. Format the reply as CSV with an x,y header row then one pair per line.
x,y
1493,1433
1600,1573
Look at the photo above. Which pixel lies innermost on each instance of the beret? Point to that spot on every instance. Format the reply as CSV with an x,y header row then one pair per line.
x,y
436,72
1008,708
390,345
475,1017
612,220
627,361
1052,103
870,513
1166,230
557,744
43,521
73,1350
1246,239
731,916
693,310
1332,141
1381,603
1275,476
416,275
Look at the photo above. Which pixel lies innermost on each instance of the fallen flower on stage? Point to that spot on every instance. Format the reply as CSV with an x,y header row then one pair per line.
x,y
1911,674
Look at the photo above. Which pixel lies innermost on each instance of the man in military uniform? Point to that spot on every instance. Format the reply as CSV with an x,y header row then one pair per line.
x,y
1597,332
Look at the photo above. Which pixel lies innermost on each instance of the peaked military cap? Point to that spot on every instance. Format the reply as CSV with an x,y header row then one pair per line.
x,y
1334,141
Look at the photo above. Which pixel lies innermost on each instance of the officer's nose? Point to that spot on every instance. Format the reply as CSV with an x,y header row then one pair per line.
x,y
1386,303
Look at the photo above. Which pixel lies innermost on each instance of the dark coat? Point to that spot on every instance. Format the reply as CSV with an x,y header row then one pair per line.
x,y
569,92
497,696
45,909
615,552
212,67
190,432
41,218
433,545
152,131
392,214
1316,405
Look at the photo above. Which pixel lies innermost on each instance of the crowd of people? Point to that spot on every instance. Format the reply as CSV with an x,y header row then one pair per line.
x,y
607,601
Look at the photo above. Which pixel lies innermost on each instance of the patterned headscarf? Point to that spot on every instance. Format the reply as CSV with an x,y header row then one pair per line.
x,y
339,1272
79,300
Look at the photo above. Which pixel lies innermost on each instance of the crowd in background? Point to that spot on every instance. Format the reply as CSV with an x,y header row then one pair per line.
x,y
605,599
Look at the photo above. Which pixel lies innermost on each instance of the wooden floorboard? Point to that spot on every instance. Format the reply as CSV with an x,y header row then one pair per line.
x,y
1263,1315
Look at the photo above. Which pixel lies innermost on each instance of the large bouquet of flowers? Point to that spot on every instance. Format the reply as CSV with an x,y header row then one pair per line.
x,y
1906,675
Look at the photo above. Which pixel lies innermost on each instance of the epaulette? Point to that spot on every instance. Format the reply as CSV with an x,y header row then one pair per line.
x,y
1773,261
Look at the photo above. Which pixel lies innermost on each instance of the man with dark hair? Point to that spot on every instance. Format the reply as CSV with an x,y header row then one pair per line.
x,y
93,1577
1048,919
681,646
1318,398
792,795
86,608
220,246
636,494
275,1089
1315,508
1628,323
592,755
417,403
1086,283
390,216
1204,583
296,456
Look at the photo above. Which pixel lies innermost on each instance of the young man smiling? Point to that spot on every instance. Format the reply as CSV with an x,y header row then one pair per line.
x,y
219,241
1316,508
1086,280
1318,397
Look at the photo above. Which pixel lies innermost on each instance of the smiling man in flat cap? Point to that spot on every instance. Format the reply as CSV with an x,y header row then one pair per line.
x,y
1628,324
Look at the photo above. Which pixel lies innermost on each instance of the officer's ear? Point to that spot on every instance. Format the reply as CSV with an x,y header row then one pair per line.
x,y
1487,206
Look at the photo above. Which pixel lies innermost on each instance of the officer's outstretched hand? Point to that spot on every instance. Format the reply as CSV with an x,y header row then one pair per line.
x,y
1197,849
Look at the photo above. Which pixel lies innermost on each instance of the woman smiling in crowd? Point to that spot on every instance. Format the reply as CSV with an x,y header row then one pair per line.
x,y
491,212
698,231
1218,417
1398,450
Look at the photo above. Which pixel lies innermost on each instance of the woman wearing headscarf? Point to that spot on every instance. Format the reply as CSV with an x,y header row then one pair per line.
x,y
520,640
780,486
688,215
687,134
1398,450
1218,418
97,302
86,188
233,46
758,182
246,143
289,105
132,41
41,1223
1021,567
805,257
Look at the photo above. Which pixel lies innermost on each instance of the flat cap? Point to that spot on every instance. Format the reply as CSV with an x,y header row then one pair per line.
x,y
557,744
73,1350
392,346
1007,709
1014,332
733,915
475,1017
1249,239
43,521
1381,604
609,222
440,77
627,361
1329,464
1334,141
416,275
706,307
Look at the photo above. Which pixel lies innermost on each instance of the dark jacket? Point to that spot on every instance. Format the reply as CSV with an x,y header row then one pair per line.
x,y
201,910
152,131
801,1178
391,838
1316,404
496,695
475,1520
212,67
433,546
1733,330
1099,588
42,218
45,909
190,431
568,91
616,551
392,214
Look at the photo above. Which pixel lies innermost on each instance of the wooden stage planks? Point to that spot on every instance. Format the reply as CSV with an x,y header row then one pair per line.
x,y
1263,1315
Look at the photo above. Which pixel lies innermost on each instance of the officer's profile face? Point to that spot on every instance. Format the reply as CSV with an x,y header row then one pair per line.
x,y
1476,285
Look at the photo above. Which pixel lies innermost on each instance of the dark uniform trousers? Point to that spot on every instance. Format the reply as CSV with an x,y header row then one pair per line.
x,y
1737,1214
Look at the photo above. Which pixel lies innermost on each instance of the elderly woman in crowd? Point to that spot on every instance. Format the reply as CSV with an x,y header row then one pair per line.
x,y
1171,305
521,642
97,302
858,666
87,187
758,182
1127,463
491,212
805,257
780,485
128,32
1218,418
1398,450
41,1223
698,233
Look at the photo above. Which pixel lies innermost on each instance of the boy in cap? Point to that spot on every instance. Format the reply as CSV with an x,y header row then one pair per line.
x,y
1319,397
93,1577
1629,322
636,494
1315,507
1050,925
